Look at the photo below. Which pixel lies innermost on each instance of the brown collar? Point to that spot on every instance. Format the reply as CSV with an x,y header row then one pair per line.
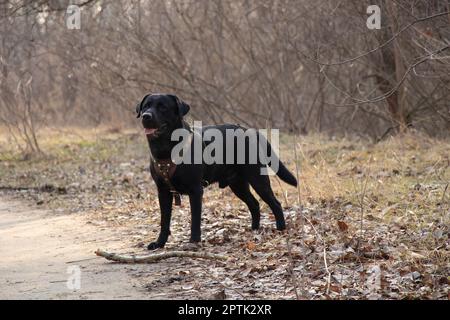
x,y
165,169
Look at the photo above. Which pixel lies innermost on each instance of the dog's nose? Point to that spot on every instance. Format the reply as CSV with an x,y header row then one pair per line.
x,y
147,116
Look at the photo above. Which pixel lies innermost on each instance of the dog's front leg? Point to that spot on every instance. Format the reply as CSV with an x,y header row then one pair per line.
x,y
195,200
165,198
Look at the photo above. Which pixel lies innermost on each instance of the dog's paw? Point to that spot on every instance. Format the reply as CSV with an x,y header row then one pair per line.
x,y
255,226
281,226
155,245
195,239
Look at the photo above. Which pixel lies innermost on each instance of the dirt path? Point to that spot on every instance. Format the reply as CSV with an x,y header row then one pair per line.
x,y
40,251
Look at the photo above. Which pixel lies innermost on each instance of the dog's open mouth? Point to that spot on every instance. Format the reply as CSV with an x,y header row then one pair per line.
x,y
150,131
154,132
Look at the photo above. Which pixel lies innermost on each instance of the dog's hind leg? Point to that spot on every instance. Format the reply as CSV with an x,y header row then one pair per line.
x,y
242,190
261,184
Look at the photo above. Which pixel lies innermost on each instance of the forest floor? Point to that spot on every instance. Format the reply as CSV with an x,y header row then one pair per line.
x,y
369,221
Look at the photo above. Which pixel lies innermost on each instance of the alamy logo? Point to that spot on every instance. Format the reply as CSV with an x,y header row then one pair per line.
x,y
374,21
231,146
73,17
74,280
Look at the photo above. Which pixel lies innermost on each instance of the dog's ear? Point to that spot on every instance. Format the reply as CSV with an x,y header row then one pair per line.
x,y
139,106
183,107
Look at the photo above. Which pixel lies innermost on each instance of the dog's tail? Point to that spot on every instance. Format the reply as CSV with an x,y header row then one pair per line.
x,y
285,175
282,172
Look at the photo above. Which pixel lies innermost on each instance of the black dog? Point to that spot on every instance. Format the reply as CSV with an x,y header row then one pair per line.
x,y
161,115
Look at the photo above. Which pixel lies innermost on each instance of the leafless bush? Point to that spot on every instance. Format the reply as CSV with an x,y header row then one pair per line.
x,y
297,65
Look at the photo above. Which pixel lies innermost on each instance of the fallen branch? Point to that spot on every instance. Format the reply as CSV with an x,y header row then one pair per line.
x,y
157,256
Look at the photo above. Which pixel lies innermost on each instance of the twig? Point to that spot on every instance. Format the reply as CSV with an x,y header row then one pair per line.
x,y
81,260
361,204
296,171
299,199
324,254
291,264
288,246
387,94
288,237
157,256
443,200
326,269
374,49
443,194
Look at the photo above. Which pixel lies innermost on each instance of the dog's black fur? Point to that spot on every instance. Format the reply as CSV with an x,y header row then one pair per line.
x,y
163,113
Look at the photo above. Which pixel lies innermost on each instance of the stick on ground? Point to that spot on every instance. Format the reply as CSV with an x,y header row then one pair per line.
x,y
157,256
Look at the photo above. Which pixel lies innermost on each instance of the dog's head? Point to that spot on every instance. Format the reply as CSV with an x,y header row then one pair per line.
x,y
161,113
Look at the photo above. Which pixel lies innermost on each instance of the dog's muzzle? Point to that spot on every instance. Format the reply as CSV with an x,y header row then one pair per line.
x,y
147,117
151,127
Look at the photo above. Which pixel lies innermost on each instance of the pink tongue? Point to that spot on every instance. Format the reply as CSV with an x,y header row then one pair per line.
x,y
149,131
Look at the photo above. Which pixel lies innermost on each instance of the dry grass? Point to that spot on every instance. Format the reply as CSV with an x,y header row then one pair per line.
x,y
382,207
